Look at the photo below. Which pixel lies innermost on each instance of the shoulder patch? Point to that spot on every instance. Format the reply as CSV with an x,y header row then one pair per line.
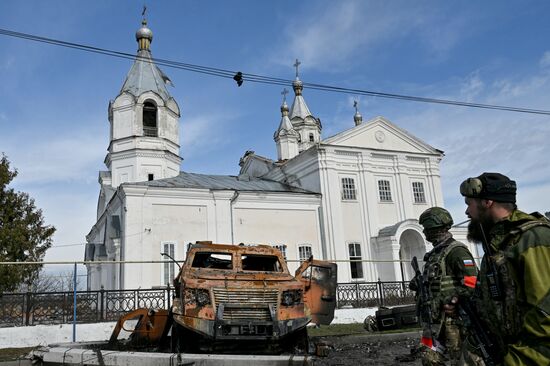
x,y
468,263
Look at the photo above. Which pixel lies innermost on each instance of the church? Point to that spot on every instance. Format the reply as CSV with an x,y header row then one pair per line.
x,y
353,198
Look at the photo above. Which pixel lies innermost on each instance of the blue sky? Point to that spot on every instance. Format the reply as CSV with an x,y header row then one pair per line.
x,y
53,101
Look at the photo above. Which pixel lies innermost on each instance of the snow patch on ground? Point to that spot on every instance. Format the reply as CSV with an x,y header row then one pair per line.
x,y
41,335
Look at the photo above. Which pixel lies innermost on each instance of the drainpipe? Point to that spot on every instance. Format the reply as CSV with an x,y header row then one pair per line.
x,y
231,202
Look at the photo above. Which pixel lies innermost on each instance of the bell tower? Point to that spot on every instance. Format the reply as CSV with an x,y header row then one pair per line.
x,y
144,123
307,126
286,136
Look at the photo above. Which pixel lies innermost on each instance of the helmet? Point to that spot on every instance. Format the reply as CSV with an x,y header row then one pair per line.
x,y
435,217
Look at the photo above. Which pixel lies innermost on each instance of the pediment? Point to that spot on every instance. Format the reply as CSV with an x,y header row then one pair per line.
x,y
381,134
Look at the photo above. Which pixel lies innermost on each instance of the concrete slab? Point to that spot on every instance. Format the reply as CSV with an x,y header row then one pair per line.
x,y
68,355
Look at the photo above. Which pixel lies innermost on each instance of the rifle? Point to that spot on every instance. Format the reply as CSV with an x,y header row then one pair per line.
x,y
492,273
481,339
424,311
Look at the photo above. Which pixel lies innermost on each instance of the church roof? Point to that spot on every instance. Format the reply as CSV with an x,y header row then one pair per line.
x,y
299,107
285,127
144,75
222,182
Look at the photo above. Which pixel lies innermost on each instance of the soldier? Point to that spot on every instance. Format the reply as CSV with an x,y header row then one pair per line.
x,y
449,271
512,296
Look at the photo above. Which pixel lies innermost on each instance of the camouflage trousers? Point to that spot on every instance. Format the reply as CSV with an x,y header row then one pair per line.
x,y
450,337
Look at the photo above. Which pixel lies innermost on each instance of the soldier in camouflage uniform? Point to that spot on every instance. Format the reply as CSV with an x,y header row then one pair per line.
x,y
517,316
450,271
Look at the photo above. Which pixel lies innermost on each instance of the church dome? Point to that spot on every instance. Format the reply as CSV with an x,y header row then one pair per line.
x,y
298,86
284,109
144,32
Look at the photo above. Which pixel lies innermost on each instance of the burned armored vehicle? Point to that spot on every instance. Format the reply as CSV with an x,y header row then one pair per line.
x,y
237,296
235,299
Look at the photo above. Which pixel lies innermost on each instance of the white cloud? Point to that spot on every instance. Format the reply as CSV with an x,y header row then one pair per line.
x,y
202,134
334,33
545,59
471,87
475,140
58,158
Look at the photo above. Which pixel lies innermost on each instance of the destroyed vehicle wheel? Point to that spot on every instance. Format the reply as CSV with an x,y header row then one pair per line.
x,y
297,343
182,340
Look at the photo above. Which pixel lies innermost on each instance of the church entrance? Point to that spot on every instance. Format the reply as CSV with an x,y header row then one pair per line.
x,y
411,244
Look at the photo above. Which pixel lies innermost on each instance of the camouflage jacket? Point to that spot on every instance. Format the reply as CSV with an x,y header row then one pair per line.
x,y
450,271
520,320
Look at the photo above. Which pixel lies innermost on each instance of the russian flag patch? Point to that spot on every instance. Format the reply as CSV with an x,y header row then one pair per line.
x,y
468,263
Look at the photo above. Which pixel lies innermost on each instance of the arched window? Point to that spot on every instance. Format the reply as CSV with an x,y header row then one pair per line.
x,y
311,137
150,119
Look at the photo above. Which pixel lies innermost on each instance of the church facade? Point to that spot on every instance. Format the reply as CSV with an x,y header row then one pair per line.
x,y
352,198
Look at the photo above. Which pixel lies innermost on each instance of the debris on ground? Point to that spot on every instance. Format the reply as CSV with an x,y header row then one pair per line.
x,y
384,350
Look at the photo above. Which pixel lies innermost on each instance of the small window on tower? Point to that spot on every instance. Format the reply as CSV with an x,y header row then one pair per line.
x,y
150,177
150,119
311,138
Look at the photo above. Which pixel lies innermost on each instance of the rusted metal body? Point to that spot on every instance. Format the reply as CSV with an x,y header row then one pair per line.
x,y
151,328
235,296
228,293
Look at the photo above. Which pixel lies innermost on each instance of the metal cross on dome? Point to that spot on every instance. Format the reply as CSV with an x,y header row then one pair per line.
x,y
296,65
284,93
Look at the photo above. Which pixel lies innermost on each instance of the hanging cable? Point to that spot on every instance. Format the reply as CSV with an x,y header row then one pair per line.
x,y
240,77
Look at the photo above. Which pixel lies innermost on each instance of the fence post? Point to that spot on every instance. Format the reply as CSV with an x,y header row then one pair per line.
x,y
380,292
74,303
357,302
101,303
27,308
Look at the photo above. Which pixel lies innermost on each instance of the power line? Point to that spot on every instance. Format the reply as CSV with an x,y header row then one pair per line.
x,y
254,78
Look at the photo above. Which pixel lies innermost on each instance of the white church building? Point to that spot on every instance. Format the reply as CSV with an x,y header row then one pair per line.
x,y
352,196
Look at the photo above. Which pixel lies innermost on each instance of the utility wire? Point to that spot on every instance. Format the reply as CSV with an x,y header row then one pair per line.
x,y
264,79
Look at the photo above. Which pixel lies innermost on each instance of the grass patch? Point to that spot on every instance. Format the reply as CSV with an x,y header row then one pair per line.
x,y
336,330
9,354
350,329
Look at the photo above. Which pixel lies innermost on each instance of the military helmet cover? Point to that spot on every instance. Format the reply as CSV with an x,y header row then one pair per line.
x,y
435,217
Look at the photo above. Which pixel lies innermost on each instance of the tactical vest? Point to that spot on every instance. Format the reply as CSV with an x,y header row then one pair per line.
x,y
504,316
441,283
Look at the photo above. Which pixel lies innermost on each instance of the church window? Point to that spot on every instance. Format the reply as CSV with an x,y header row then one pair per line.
x,y
304,252
282,249
384,191
150,119
356,266
418,192
348,189
311,137
168,267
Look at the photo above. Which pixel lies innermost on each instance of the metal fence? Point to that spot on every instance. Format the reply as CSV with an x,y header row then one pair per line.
x,y
32,308
373,294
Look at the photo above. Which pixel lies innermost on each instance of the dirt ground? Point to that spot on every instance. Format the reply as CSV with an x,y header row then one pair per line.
x,y
370,349
347,345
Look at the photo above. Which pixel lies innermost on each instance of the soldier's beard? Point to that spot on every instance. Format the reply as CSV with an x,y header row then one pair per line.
x,y
475,233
